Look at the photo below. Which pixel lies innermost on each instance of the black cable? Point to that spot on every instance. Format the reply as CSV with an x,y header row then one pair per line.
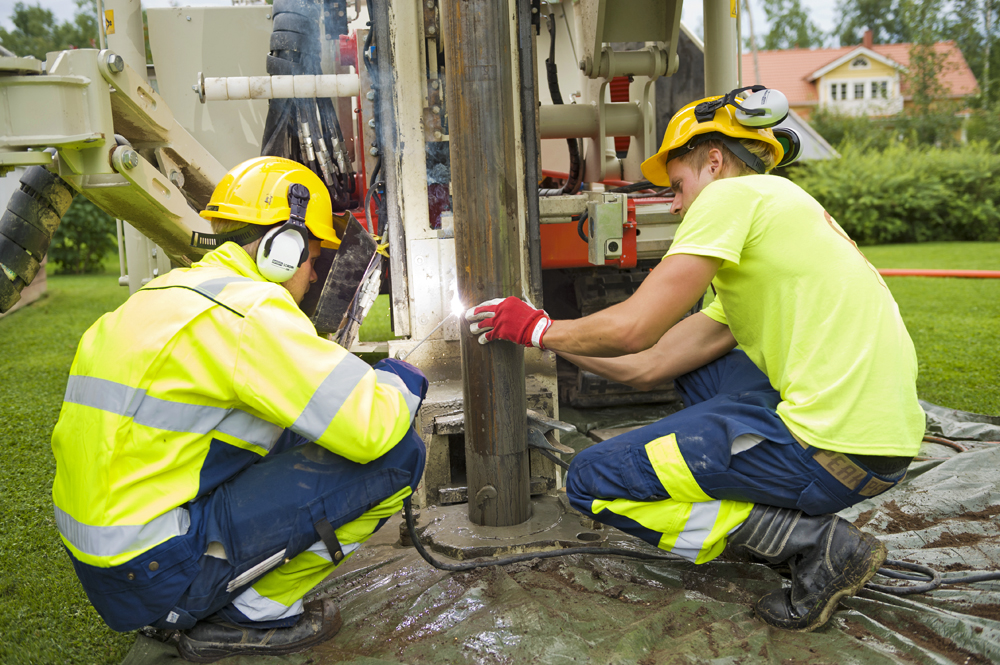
x,y
472,565
932,579
925,573
634,187
930,574
551,75
579,226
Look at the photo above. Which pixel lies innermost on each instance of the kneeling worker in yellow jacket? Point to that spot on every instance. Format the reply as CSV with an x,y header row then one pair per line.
x,y
216,458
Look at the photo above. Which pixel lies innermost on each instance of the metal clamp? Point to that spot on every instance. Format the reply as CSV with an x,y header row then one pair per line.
x,y
607,214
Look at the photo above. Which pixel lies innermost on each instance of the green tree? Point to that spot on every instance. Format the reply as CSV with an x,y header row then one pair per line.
x,y
972,24
36,31
930,119
85,236
891,21
790,26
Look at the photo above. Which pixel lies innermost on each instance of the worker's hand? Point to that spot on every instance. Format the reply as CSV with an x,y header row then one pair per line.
x,y
511,319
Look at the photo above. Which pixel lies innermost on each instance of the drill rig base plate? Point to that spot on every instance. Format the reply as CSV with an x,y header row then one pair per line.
x,y
553,525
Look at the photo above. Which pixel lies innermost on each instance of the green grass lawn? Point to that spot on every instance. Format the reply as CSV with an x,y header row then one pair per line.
x,y
954,323
45,616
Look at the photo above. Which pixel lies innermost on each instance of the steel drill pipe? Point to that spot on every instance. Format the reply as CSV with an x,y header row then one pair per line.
x,y
482,103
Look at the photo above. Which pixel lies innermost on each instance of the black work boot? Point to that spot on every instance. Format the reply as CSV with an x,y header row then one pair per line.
x,y
211,640
828,557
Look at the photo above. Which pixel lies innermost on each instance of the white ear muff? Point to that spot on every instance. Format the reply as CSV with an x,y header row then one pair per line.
x,y
281,262
772,102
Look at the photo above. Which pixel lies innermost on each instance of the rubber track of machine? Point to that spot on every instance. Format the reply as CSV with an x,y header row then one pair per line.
x,y
27,228
34,211
10,292
291,22
280,66
287,41
49,187
16,259
25,234
307,8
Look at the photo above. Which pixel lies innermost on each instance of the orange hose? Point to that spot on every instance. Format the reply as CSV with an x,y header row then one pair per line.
x,y
894,272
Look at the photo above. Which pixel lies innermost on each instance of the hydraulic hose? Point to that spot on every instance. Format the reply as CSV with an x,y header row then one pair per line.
x,y
575,176
976,274
26,229
931,578
305,130
517,558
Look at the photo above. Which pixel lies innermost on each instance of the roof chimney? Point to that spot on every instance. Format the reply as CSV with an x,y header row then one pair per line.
x,y
866,41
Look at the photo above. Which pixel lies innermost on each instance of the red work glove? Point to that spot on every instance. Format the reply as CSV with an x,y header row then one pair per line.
x,y
511,319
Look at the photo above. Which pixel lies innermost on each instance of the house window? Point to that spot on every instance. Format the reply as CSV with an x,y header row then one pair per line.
x,y
859,91
860,62
843,91
880,90
833,91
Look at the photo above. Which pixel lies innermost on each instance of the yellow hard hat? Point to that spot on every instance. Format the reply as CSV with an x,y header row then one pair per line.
x,y
703,120
256,192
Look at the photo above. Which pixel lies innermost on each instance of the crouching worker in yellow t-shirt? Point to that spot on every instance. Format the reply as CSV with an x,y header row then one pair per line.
x,y
816,411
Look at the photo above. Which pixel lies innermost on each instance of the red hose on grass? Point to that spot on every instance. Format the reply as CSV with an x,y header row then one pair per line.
x,y
905,272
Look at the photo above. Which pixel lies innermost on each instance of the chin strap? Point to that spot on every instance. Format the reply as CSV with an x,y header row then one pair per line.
x,y
735,147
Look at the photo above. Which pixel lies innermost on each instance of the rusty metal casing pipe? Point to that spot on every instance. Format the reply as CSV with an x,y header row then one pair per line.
x,y
483,105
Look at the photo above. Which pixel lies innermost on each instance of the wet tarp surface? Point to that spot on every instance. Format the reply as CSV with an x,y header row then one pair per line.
x,y
585,609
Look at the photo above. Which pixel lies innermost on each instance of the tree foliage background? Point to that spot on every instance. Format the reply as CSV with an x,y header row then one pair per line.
x,y
36,31
790,26
86,234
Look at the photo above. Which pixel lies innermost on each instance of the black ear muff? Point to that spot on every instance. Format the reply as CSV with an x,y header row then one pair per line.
x,y
285,248
790,143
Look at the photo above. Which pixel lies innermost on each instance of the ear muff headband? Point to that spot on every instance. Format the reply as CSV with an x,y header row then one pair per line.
x,y
285,248
705,112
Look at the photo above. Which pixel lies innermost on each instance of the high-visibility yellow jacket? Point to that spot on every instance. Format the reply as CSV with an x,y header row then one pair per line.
x,y
189,382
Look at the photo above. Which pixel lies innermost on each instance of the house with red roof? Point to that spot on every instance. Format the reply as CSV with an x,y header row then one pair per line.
x,y
863,79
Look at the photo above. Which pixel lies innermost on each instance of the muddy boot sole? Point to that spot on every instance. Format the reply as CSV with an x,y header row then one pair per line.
x,y
818,616
224,640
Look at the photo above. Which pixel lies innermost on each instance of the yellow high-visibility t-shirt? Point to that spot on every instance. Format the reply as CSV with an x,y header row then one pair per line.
x,y
811,312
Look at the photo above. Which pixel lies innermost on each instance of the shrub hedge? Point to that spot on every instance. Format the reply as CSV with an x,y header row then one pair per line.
x,y
905,194
84,237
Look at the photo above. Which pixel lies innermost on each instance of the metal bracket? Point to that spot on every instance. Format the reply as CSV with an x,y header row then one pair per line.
x,y
607,214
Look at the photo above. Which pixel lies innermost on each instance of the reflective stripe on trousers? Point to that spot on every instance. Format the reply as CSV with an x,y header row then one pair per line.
x,y
690,523
278,594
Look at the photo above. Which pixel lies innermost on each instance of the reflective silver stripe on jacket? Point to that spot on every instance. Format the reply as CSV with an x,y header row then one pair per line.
x,y
697,529
170,416
112,540
214,287
331,395
412,401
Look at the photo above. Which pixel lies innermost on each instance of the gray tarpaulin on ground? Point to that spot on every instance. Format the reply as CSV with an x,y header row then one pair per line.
x,y
580,609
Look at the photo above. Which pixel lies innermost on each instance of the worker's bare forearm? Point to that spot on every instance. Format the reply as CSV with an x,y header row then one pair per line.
x,y
692,343
635,325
